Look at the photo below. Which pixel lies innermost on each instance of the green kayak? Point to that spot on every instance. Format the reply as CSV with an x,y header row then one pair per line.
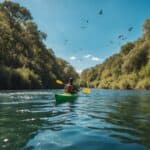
x,y
65,97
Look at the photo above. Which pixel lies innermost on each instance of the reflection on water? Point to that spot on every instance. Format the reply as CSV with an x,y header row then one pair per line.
x,y
104,119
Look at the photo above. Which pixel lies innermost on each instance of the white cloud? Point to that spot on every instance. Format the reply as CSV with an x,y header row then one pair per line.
x,y
73,58
87,56
79,71
93,58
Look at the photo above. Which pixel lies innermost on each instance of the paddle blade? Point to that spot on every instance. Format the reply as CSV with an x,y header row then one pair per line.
x,y
59,82
86,90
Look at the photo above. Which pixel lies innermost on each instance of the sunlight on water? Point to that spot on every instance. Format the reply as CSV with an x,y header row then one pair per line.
x,y
104,119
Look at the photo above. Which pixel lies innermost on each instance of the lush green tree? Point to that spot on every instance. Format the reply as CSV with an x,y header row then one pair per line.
x,y
128,69
25,62
125,49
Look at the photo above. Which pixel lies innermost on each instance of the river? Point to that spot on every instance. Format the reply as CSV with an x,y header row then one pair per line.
x,y
102,120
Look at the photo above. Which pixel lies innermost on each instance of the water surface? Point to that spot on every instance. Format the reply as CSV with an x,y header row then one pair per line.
x,y
104,119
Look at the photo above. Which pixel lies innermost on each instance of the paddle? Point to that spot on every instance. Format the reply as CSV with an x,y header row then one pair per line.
x,y
84,90
59,82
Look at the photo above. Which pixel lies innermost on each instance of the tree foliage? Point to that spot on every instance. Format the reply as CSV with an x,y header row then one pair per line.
x,y
25,62
129,69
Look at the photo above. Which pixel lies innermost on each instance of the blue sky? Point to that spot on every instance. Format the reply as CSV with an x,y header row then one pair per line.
x,y
77,33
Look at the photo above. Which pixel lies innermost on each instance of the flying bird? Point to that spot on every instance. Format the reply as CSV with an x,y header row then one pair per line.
x,y
124,38
120,36
130,29
100,12
65,42
84,20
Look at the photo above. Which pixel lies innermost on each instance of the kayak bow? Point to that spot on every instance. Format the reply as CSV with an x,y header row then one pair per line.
x,y
65,97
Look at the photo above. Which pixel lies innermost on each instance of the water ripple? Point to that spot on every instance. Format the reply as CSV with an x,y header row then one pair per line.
x,y
104,119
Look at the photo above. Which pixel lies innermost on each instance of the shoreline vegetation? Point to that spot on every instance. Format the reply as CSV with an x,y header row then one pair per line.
x,y
26,62
128,69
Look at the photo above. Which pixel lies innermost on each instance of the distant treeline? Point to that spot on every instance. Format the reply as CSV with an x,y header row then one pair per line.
x,y
25,62
129,69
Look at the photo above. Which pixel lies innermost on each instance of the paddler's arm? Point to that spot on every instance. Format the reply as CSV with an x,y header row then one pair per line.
x,y
65,88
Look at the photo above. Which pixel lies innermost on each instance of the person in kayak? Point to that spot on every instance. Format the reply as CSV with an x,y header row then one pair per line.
x,y
70,88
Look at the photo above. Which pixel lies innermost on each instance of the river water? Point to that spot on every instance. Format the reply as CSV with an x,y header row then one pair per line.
x,y
102,120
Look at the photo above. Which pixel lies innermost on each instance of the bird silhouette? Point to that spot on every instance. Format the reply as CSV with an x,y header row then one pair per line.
x,y
65,42
120,36
100,12
124,38
130,29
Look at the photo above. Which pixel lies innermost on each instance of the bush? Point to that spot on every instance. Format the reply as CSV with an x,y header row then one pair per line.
x,y
145,71
125,49
144,84
128,81
4,77
27,79
124,84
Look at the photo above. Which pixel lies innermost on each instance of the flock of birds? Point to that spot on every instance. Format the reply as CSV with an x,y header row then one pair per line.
x,y
85,26
121,37
87,21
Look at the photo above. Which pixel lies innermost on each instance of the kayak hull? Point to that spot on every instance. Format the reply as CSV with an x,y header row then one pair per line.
x,y
65,97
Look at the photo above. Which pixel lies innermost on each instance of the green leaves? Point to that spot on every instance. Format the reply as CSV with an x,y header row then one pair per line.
x,y
25,62
128,69
125,49
15,12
